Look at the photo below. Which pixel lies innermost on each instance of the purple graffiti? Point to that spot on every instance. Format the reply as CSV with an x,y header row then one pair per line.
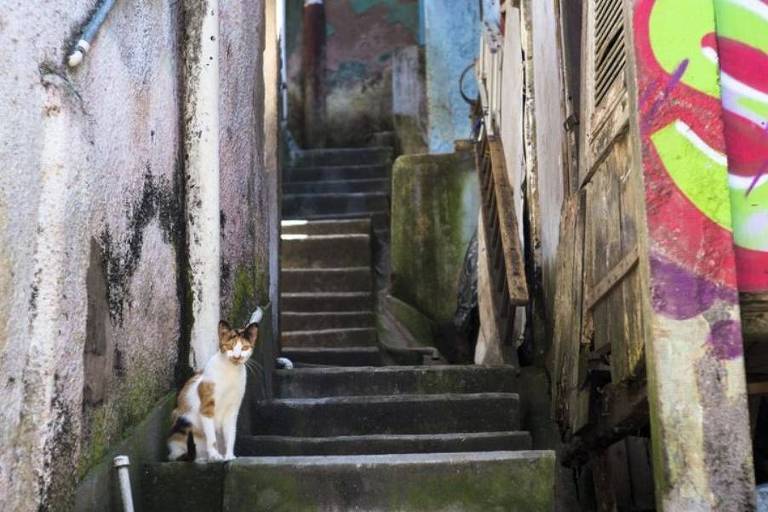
x,y
725,339
674,79
679,294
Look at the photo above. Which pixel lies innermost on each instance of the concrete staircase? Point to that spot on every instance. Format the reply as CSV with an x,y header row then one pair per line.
x,y
344,433
335,206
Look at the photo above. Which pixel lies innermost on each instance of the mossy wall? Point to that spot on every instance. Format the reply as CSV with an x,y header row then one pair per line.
x,y
435,200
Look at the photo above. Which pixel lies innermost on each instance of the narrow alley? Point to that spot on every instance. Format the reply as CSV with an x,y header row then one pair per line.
x,y
384,255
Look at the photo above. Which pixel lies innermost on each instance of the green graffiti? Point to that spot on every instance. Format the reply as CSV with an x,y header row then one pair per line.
x,y
736,21
674,40
751,217
699,176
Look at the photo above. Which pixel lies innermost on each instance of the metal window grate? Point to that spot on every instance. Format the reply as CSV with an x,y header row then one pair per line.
x,y
610,54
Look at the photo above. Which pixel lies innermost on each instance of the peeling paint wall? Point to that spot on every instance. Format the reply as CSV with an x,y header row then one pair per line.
x,y
452,42
92,289
362,36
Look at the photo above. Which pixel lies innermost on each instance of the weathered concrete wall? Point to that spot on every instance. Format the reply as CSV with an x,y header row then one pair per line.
x,y
702,457
245,186
361,38
451,36
434,216
409,100
92,287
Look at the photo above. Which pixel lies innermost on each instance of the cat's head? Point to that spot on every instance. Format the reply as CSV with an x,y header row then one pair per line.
x,y
237,344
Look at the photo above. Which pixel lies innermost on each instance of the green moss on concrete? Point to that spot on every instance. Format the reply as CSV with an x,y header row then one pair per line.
x,y
250,288
144,442
421,328
262,488
435,202
528,488
129,403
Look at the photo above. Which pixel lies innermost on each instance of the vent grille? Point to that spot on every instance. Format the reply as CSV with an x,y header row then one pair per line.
x,y
610,54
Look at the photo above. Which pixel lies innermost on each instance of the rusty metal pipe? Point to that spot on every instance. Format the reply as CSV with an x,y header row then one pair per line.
x,y
313,64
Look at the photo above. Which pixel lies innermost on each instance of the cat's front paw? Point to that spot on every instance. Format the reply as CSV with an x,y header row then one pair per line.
x,y
229,456
214,456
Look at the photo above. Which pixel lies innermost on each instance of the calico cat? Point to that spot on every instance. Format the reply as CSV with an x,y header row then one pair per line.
x,y
209,402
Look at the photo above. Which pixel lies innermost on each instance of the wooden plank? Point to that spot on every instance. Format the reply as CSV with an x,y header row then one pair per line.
x,y
631,287
512,251
564,344
611,279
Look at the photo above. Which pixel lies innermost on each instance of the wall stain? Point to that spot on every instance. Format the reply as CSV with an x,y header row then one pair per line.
x,y
157,200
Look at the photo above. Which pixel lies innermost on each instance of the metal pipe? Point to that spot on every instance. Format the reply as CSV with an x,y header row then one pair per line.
x,y
313,64
122,463
201,160
89,33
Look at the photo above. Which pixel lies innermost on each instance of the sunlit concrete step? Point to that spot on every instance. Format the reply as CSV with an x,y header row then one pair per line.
x,y
345,356
336,186
315,302
399,414
382,444
350,337
358,226
346,156
394,380
353,279
295,321
512,481
325,251
307,205
322,173
379,219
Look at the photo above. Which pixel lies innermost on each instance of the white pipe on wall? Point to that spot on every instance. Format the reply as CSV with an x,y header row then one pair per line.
x,y
201,149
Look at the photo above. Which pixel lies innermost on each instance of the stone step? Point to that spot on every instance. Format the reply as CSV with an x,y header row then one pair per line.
x,y
307,205
379,220
314,302
354,279
399,414
325,251
394,380
352,337
358,226
322,173
346,156
270,446
345,356
512,481
294,321
336,186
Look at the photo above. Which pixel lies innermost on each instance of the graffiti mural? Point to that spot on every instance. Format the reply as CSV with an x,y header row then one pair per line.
x,y
707,216
683,111
741,50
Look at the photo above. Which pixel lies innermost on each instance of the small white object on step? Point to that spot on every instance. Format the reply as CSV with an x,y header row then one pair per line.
x,y
256,316
284,363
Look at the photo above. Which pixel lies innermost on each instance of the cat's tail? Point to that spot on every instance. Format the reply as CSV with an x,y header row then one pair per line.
x,y
177,441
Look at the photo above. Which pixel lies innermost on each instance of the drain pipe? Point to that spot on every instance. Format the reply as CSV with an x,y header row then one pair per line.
x,y
89,33
122,463
201,160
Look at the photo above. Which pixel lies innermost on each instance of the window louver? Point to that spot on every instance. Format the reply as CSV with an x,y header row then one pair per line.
x,y
610,55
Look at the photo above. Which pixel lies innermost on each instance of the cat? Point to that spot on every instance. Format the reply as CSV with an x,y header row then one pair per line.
x,y
208,404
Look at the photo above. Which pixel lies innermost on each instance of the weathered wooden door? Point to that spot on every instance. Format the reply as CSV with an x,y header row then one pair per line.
x,y
598,331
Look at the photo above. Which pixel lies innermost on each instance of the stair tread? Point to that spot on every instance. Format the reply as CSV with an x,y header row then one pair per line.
x,y
326,294
380,399
332,236
399,369
447,435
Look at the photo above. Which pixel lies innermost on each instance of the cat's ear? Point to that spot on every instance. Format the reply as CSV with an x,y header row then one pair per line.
x,y
251,333
224,329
